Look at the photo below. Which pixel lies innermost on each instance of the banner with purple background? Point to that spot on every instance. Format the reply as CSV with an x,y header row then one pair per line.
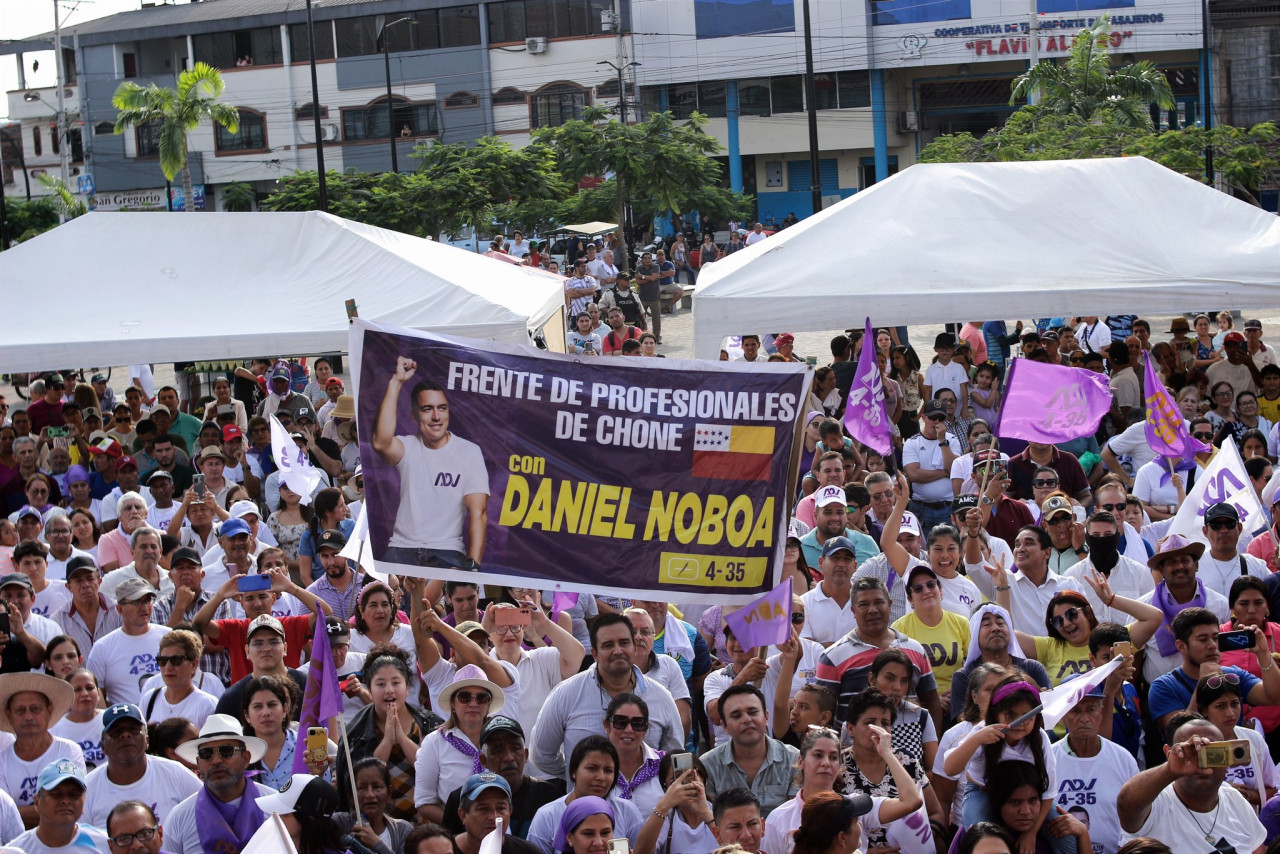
x,y
503,464
765,621
1166,428
1052,403
864,413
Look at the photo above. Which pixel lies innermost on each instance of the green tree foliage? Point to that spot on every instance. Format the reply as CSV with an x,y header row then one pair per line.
x,y
179,111
65,202
238,197
26,219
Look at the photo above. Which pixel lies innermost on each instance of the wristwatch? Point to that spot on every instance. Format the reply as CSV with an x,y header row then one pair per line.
x,y
987,501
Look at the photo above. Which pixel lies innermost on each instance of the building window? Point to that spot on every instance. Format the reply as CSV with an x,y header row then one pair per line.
x,y
356,36
824,89
509,96
76,140
459,26
712,101
148,136
753,97
461,99
37,144
855,89
682,99
251,135
104,129
787,94
300,45
130,65
516,20
240,48
307,112
556,105
370,121
55,141
608,89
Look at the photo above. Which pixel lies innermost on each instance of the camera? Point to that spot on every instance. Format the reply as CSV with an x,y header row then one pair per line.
x,y
1224,754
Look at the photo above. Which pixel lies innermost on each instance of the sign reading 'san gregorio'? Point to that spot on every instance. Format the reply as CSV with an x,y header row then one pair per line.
x,y
492,463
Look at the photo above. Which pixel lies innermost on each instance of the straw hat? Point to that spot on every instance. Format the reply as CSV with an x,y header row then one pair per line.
x,y
345,407
57,691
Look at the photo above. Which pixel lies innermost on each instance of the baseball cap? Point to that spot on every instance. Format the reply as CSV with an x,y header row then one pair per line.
x,y
1049,335
784,338
28,510
331,539
964,503
919,569
121,712
59,772
280,372
933,407
1233,338
155,473
829,495
1055,505
98,378
1253,323
233,528
305,795
55,380
126,460
467,627
231,431
499,724
910,525
80,563
186,553
160,407
242,508
1222,510
133,589
332,381
478,783
94,412
16,578
836,544
338,631
266,621
107,445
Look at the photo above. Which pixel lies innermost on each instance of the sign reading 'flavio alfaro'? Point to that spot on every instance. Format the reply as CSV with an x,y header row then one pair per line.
x,y
500,464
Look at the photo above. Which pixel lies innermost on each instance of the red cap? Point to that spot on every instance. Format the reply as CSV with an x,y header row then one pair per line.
x,y
334,381
107,445
230,432
126,460
1233,338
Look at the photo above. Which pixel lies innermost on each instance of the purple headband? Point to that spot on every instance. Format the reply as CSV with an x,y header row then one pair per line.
x,y
579,810
1012,688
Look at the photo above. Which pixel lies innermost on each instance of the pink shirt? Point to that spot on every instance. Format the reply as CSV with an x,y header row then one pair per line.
x,y
972,335
1263,547
113,547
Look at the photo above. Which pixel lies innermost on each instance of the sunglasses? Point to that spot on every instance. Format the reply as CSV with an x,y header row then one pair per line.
x,y
1216,681
224,751
622,722
1203,437
920,588
175,660
466,697
797,619
1045,483
1066,616
1223,524
1114,508
937,418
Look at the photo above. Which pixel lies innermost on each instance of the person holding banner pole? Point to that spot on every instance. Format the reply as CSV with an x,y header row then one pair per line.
x,y
942,543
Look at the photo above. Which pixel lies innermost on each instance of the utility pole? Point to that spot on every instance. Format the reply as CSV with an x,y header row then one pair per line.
x,y
1033,45
811,104
315,111
623,263
386,62
1206,85
64,156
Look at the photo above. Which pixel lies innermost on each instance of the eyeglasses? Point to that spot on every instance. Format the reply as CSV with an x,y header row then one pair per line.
x,y
1067,616
1113,508
508,630
622,722
224,751
797,619
124,840
465,697
1203,437
920,588
1045,482
266,644
175,660
1223,524
645,633
1225,395
1216,680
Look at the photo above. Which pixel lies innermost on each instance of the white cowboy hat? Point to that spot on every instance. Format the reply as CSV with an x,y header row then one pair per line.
x,y
57,691
221,728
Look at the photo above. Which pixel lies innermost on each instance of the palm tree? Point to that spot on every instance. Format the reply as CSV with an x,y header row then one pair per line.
x,y
1086,85
178,112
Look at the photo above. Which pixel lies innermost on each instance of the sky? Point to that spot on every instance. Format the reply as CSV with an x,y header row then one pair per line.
x,y
22,18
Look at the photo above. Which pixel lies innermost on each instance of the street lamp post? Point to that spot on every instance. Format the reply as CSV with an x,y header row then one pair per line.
x,y
623,263
386,63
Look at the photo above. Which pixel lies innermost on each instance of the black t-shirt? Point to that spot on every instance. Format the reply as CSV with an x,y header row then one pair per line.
x,y
533,794
649,291
844,372
629,304
232,702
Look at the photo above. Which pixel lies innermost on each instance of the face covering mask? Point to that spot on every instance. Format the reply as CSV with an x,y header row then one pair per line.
x,y
1103,550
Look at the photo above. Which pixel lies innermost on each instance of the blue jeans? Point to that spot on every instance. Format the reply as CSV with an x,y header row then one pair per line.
x,y
930,516
431,558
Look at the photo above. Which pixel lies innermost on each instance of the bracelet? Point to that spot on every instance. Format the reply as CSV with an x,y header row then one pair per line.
x,y
1113,598
1271,664
661,815
1001,589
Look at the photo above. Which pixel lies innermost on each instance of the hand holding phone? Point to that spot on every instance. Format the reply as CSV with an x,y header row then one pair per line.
x,y
512,616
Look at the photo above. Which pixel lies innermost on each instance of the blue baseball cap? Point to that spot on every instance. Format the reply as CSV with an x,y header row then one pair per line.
x,y
59,772
836,544
121,712
478,783
233,528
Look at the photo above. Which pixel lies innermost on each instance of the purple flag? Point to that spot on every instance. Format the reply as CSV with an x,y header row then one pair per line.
x,y
562,602
864,412
1052,403
322,700
765,620
1166,429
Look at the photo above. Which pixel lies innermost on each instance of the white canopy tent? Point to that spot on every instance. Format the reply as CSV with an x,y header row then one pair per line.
x,y
959,242
127,288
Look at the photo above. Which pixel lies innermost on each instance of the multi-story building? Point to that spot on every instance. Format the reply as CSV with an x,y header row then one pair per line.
x,y
890,75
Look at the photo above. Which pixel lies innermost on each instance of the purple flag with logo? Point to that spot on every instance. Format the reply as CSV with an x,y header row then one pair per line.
x,y
864,412
322,700
1052,403
766,620
1166,429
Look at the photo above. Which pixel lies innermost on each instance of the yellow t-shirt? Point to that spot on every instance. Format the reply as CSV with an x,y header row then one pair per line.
x,y
1269,409
1061,659
946,644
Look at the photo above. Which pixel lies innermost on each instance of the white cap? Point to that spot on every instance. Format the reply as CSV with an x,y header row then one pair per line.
x,y
828,495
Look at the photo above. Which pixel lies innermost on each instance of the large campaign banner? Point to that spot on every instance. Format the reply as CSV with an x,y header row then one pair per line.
x,y
500,464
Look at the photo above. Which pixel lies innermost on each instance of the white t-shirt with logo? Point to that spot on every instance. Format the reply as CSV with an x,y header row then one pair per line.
x,y
1246,775
433,483
87,734
87,838
1174,824
163,786
18,777
122,662
51,599
1092,785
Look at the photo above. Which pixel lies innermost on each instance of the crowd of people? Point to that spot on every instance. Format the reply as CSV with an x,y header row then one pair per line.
x,y
161,589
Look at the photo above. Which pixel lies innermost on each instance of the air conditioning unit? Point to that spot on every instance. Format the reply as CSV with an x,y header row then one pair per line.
x,y
536,45
330,132
910,121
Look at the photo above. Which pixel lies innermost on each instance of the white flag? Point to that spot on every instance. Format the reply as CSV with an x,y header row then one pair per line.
x,y
358,549
296,470
676,639
271,838
1224,480
1058,701
492,843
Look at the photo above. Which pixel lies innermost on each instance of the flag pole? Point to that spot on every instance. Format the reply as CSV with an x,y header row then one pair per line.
x,y
351,771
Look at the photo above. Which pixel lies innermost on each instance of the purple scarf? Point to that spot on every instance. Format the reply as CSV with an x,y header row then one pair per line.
x,y
1165,641
1182,467
225,829
466,749
647,772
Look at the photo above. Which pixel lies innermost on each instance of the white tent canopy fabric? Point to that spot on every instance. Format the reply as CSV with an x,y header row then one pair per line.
x,y
127,288
958,242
